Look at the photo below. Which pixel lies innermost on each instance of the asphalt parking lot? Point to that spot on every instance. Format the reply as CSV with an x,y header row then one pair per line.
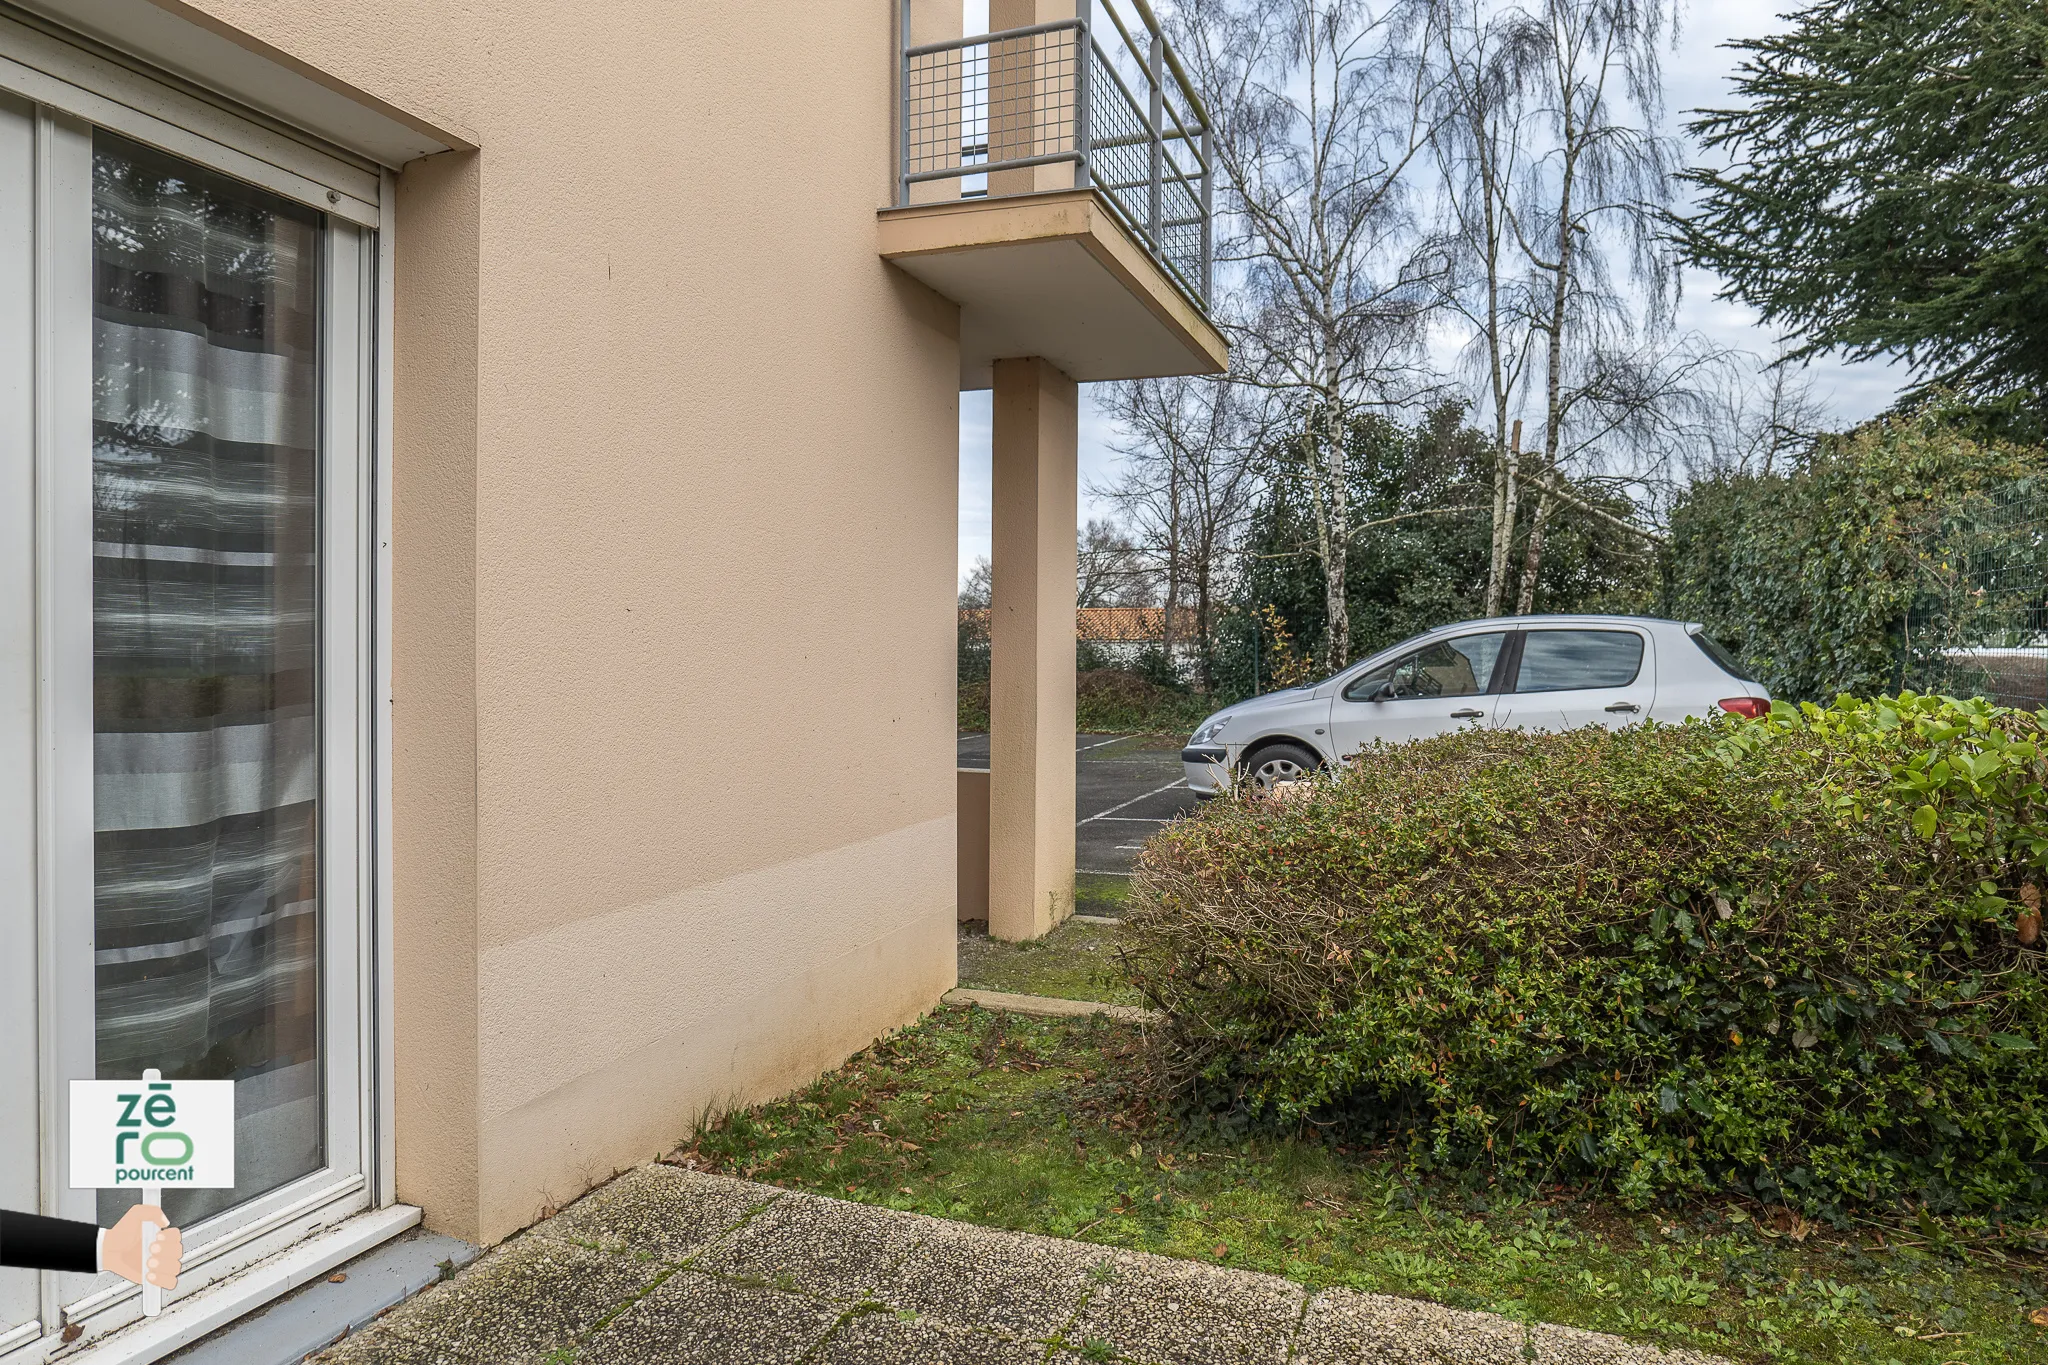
x,y
1125,788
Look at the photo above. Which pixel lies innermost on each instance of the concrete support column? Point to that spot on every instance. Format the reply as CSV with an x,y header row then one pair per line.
x,y
1031,635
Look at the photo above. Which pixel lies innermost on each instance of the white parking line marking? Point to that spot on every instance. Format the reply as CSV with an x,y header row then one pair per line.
x,y
1134,848
1137,819
1102,744
1177,782
1097,872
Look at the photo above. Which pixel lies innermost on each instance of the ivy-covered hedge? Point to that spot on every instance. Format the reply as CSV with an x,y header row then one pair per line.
x,y
1782,957
1859,568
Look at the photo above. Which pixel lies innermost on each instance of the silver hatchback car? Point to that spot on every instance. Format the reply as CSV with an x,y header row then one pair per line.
x,y
1533,672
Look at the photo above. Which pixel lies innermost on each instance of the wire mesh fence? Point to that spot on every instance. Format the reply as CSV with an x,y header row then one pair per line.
x,y
1981,628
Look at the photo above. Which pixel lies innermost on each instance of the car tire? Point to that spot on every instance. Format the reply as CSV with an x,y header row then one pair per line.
x,y
1277,764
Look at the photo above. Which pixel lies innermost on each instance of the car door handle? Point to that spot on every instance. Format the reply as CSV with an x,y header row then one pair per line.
x,y
1624,706
1467,714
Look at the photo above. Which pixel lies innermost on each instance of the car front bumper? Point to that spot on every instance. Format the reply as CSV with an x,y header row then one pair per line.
x,y
1208,769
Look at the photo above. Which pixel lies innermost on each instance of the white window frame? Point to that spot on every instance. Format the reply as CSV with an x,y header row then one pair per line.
x,y
71,88
105,88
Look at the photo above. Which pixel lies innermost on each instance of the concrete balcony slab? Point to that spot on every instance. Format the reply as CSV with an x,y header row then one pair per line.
x,y
1054,275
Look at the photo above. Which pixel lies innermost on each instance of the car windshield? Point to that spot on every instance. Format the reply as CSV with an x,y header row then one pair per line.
x,y
1461,666
1388,654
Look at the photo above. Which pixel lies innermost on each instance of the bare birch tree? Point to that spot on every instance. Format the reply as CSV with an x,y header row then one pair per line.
x,y
1604,176
1480,58
1757,418
1318,114
1186,488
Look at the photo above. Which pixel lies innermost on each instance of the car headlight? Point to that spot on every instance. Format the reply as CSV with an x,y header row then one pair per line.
x,y
1210,729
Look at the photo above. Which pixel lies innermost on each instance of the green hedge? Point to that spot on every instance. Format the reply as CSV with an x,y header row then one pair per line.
x,y
1107,701
1860,567
1781,957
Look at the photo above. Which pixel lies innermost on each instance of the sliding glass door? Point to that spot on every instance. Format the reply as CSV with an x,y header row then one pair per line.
x,y
184,709
206,612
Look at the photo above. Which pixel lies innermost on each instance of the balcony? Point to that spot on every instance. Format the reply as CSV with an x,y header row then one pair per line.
x,y
1055,180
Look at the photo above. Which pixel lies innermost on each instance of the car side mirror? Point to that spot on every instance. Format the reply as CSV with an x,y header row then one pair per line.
x,y
1385,692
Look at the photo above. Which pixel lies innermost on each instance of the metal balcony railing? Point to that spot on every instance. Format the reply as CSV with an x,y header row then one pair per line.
x,y
1093,93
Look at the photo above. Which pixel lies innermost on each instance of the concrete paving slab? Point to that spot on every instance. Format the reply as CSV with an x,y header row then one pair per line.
x,y
850,1284
1004,1282
1048,1007
1343,1327
886,1338
658,1209
1574,1346
820,1247
697,1319
1167,1312
520,1303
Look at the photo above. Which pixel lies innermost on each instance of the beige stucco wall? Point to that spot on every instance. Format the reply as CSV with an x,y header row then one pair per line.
x,y
674,567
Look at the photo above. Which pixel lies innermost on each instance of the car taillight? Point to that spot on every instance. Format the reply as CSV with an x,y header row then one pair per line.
x,y
1751,707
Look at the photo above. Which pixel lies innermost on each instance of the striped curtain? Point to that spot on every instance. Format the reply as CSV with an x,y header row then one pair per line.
x,y
205,657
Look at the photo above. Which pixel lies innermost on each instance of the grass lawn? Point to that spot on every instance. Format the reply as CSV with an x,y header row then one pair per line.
x,y
1073,962
1023,1123
1096,893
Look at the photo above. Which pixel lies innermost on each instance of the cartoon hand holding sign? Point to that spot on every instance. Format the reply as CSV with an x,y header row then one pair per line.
x,y
150,1133
121,1249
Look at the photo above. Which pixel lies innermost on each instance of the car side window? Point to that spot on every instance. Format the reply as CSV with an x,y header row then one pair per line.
x,y
1458,667
1566,660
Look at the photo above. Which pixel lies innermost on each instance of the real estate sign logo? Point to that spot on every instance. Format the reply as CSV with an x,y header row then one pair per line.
x,y
152,1132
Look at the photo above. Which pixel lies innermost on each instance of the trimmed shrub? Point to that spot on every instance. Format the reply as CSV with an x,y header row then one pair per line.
x,y
1781,957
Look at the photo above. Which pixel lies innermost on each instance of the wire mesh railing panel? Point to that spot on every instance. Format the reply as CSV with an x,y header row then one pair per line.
x,y
1033,95
1119,144
1120,167
978,104
1181,234
985,113
945,109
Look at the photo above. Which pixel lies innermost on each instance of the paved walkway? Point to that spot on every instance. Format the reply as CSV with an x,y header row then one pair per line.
x,y
669,1267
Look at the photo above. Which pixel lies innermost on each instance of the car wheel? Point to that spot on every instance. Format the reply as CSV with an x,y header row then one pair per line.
x,y
1276,764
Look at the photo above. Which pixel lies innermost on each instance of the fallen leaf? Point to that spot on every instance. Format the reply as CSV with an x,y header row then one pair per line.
x,y
2039,1317
337,1278
1221,1251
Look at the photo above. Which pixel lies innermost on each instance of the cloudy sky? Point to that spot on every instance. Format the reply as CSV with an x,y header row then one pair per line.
x,y
1696,73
